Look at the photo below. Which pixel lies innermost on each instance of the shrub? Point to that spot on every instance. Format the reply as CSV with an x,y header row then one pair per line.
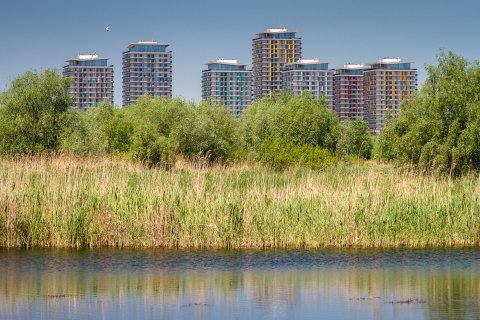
x,y
281,153
162,114
208,131
302,120
85,131
152,149
354,140
119,130
32,113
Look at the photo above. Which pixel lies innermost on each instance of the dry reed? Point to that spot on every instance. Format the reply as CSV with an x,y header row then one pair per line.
x,y
96,202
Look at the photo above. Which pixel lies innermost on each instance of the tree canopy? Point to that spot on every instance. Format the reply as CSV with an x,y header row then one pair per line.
x,y
439,128
301,120
35,117
32,113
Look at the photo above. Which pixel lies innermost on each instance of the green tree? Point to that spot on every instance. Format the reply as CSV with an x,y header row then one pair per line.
x,y
85,131
209,130
32,113
301,120
438,128
354,140
152,149
154,130
119,130
162,114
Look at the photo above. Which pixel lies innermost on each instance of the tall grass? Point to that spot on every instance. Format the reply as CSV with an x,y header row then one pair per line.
x,y
95,202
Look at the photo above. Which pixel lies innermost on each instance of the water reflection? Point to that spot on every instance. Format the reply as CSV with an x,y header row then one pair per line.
x,y
243,285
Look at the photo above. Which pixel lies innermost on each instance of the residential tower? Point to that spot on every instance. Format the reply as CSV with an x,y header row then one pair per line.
x,y
272,49
308,75
92,80
229,82
348,94
387,83
147,70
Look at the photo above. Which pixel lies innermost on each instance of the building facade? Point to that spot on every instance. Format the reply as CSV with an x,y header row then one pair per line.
x,y
348,94
92,80
271,50
229,82
147,70
308,75
387,83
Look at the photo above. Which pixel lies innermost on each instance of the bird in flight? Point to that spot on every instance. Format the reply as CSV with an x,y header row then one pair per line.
x,y
107,29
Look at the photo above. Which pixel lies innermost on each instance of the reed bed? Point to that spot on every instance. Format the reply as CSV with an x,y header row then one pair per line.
x,y
64,201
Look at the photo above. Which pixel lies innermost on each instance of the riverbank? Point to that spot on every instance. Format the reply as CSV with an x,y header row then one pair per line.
x,y
99,202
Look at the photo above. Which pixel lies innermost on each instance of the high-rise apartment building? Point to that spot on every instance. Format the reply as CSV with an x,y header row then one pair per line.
x,y
272,49
147,70
92,80
348,94
387,83
230,82
308,75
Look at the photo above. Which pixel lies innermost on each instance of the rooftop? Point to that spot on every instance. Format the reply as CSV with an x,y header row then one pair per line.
x,y
351,66
226,61
389,60
86,57
306,62
277,30
310,61
273,30
147,43
226,65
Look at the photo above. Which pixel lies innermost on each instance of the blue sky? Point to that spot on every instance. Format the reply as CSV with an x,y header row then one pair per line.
x,y
41,34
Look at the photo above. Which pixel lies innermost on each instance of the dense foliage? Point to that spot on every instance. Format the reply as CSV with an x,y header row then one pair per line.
x,y
154,131
281,153
278,131
439,129
354,140
285,130
32,113
302,120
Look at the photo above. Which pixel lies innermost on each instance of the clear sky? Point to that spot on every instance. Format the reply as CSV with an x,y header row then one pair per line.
x,y
38,34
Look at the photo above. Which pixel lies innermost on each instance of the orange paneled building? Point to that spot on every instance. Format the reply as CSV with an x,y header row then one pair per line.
x,y
387,83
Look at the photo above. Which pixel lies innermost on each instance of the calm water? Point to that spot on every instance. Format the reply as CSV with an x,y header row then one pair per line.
x,y
306,284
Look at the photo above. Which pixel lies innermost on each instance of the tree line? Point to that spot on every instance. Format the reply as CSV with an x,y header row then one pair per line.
x,y
35,118
438,128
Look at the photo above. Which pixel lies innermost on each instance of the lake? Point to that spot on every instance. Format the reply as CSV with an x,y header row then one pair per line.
x,y
240,284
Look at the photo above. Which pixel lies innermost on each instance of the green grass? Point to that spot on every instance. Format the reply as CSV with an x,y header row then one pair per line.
x,y
98,202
